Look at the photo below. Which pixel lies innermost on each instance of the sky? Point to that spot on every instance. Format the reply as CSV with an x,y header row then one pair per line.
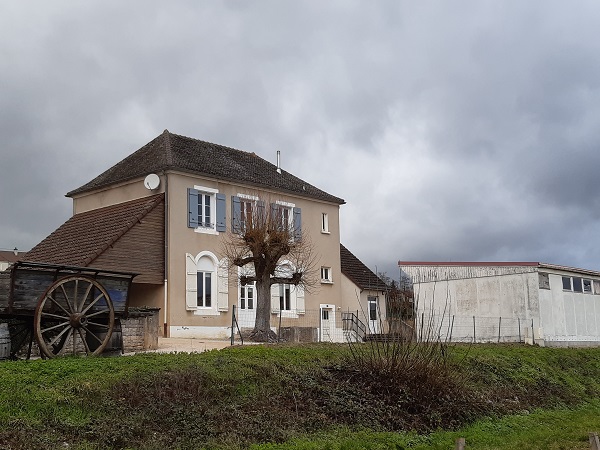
x,y
463,130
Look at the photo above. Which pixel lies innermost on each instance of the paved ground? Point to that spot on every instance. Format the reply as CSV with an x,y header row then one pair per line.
x,y
168,345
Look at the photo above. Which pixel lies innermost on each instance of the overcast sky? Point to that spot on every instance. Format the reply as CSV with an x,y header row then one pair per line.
x,y
463,130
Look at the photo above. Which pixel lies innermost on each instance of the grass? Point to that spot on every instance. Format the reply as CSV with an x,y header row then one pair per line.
x,y
300,397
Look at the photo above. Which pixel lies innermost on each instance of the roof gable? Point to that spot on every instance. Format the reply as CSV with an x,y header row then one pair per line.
x,y
358,273
174,152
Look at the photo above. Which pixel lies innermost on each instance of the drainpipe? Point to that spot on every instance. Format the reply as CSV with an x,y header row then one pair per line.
x,y
166,286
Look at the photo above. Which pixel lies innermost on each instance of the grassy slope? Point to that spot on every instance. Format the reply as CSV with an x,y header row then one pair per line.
x,y
111,402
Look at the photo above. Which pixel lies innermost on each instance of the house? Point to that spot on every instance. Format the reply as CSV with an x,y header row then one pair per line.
x,y
164,211
7,257
363,292
546,304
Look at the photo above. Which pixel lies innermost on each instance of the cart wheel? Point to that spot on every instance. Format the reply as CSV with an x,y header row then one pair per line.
x,y
74,316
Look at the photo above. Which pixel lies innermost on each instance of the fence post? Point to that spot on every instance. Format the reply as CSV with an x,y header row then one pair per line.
x,y
519,321
451,327
474,329
460,444
499,327
279,328
594,441
232,325
532,333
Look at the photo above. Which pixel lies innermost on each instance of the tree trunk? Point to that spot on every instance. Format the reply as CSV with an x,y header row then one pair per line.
x,y
262,327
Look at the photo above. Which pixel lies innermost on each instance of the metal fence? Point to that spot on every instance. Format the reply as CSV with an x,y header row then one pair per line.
x,y
476,329
328,325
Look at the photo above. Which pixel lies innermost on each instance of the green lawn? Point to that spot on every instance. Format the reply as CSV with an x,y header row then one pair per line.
x,y
300,397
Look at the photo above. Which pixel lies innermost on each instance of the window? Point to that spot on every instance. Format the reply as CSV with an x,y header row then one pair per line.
x,y
204,283
566,281
577,286
324,223
206,210
372,308
326,275
247,296
587,286
325,314
285,297
544,280
244,209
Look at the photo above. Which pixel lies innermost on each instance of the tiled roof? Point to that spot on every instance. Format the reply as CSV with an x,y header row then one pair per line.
x,y
174,152
360,274
9,256
85,236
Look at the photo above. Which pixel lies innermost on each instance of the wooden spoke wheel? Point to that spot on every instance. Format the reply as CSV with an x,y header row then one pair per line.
x,y
75,316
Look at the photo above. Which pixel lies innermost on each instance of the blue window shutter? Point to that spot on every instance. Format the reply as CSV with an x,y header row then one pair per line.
x,y
192,208
236,214
221,226
297,224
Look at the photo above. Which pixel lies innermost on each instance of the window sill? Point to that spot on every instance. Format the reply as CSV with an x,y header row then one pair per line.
x,y
326,282
325,232
206,312
206,230
287,313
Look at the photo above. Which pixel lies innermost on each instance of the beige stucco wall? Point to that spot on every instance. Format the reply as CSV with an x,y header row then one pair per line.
x,y
120,193
182,240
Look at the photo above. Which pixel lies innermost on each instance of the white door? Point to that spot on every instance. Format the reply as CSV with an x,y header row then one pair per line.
x,y
373,311
327,324
247,306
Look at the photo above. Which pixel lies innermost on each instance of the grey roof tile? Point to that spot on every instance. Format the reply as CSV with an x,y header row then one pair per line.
x,y
174,152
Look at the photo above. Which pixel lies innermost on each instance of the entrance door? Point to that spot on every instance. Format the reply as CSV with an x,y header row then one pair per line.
x,y
373,314
327,324
247,306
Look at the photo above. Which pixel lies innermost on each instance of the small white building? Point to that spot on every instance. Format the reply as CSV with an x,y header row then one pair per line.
x,y
7,257
548,304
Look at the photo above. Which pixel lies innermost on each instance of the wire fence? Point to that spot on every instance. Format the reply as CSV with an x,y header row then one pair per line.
x,y
330,325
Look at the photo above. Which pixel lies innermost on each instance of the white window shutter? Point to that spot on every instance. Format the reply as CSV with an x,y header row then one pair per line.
x,y
275,298
300,308
223,285
191,277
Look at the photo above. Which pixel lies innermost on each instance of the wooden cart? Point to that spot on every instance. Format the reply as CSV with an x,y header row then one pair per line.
x,y
68,310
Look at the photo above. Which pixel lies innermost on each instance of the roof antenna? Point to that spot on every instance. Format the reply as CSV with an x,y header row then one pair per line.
x,y
278,161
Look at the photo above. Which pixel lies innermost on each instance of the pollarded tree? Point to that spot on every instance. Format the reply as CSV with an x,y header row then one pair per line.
x,y
268,243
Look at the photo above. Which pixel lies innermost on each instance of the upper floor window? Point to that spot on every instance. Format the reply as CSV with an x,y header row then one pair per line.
x,y
544,280
244,209
324,223
326,275
578,284
206,209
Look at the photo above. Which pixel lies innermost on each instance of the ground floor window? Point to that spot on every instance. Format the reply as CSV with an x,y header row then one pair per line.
x,y
204,289
285,297
247,296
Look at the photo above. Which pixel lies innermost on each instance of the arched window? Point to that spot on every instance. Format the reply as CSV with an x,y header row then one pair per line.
x,y
206,283
205,278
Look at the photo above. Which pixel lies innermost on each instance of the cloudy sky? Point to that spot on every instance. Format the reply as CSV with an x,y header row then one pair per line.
x,y
463,130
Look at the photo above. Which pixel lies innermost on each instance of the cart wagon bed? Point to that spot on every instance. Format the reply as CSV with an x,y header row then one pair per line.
x,y
69,310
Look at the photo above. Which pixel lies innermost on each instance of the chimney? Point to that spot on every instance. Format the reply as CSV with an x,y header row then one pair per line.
x,y
278,161
16,251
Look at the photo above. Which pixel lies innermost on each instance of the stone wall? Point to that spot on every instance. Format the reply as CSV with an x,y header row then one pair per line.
x,y
140,330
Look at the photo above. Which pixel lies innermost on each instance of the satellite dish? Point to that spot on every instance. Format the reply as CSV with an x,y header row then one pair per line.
x,y
152,181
